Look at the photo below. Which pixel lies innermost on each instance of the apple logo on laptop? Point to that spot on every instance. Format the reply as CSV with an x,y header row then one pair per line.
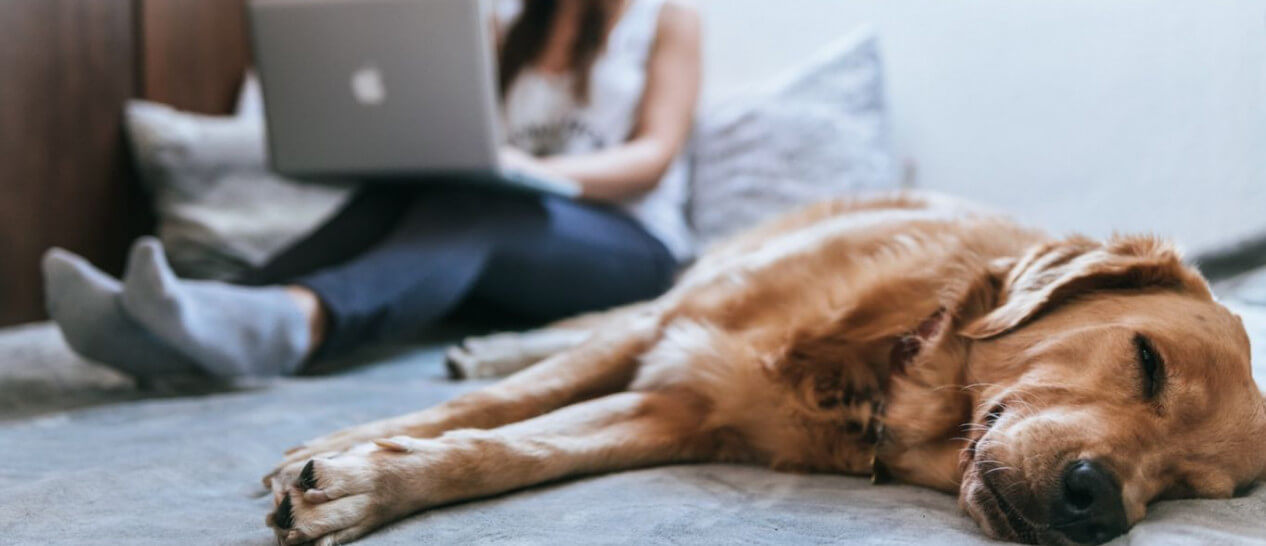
x,y
367,86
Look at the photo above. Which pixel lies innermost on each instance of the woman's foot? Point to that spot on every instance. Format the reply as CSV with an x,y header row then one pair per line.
x,y
230,330
84,302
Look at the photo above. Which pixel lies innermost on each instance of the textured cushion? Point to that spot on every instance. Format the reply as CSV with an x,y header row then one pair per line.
x,y
220,209
1249,287
820,130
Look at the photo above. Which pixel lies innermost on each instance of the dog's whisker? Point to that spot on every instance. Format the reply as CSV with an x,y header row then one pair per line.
x,y
999,468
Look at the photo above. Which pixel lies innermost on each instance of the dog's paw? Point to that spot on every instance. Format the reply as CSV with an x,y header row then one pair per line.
x,y
499,355
337,499
324,447
495,355
286,475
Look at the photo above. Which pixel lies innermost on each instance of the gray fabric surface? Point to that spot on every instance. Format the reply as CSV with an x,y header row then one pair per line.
x,y
85,458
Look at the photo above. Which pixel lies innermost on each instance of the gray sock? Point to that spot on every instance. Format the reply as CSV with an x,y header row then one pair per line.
x,y
85,304
230,330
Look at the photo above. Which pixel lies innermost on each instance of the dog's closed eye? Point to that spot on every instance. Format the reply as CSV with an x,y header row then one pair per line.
x,y
1151,365
994,414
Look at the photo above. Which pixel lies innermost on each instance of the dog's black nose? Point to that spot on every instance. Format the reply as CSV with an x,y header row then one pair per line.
x,y
1088,508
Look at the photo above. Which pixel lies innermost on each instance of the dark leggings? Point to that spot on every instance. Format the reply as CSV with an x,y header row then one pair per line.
x,y
397,259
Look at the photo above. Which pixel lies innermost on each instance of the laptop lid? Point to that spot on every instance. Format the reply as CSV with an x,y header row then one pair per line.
x,y
376,87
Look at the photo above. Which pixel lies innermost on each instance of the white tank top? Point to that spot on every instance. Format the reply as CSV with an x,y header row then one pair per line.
x,y
542,116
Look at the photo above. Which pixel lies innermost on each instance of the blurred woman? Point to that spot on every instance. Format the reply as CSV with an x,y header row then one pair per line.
x,y
600,92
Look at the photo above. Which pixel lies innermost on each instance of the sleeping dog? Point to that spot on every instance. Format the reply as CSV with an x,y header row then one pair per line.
x,y
1057,386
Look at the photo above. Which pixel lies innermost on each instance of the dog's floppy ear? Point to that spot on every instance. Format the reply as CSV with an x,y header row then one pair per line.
x,y
1053,272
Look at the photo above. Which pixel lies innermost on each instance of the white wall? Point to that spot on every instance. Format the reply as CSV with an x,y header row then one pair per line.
x,y
1087,115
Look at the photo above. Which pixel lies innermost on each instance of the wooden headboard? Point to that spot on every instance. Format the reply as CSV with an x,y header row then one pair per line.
x,y
193,53
65,175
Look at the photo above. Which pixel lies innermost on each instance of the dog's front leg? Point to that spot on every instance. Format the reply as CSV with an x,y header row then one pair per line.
x,y
341,498
605,363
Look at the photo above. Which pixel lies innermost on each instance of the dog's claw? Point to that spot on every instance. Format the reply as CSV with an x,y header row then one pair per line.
x,y
283,518
453,360
307,477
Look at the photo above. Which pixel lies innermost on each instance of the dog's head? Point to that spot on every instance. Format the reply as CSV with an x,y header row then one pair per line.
x,y
1108,377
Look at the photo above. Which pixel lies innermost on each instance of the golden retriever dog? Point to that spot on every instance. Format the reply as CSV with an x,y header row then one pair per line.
x,y
1057,386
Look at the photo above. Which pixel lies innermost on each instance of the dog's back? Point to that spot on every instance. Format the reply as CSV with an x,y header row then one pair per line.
x,y
791,331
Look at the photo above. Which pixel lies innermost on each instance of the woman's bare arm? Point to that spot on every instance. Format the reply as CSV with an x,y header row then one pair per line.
x,y
664,117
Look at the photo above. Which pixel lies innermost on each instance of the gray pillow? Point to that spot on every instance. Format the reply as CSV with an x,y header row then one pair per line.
x,y
220,210
820,130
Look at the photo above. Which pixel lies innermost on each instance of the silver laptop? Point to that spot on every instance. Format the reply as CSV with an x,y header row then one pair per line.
x,y
381,89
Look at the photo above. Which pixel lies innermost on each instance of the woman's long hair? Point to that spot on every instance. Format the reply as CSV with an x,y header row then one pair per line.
x,y
525,41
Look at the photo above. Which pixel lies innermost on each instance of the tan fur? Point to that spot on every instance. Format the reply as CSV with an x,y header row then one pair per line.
x,y
851,337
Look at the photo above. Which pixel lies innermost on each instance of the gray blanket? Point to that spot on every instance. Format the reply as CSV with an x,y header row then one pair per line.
x,y
86,458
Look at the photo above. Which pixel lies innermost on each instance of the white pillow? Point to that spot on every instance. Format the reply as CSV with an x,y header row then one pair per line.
x,y
220,210
819,130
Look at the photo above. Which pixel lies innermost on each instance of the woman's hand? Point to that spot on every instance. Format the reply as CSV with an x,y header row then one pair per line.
x,y
522,162
518,160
